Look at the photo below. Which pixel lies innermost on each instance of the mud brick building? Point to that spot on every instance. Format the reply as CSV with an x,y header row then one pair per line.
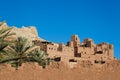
x,y
75,51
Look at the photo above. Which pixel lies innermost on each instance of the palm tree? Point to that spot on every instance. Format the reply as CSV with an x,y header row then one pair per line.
x,y
4,34
18,51
39,57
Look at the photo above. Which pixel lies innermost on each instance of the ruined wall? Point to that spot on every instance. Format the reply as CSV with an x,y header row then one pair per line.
x,y
106,50
62,51
28,32
75,51
85,52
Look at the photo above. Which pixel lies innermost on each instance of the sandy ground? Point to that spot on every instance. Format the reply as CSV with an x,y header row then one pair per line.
x,y
59,71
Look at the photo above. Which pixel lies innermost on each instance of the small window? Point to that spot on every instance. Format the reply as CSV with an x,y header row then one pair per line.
x,y
76,38
78,55
102,62
72,60
96,61
57,59
99,52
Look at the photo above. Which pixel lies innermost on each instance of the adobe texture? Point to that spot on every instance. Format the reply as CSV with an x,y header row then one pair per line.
x,y
75,52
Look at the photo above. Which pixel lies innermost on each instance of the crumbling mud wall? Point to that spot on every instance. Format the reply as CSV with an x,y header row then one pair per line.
x,y
60,71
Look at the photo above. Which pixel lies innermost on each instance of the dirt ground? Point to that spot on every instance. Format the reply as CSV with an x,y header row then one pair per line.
x,y
60,71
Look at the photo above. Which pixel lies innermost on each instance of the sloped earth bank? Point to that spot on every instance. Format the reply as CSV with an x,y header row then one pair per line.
x,y
60,71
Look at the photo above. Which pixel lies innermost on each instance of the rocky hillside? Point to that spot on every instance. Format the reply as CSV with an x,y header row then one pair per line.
x,y
29,32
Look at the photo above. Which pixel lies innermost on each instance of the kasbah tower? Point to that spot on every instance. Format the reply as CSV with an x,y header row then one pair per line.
x,y
75,51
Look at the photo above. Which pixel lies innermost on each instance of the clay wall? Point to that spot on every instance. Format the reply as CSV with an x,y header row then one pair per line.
x,y
75,51
62,51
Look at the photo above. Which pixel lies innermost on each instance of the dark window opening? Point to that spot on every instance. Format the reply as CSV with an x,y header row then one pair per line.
x,y
78,55
96,61
85,45
76,38
99,52
57,59
102,62
72,60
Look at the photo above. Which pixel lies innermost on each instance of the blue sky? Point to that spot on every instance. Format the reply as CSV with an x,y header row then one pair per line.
x,y
57,20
